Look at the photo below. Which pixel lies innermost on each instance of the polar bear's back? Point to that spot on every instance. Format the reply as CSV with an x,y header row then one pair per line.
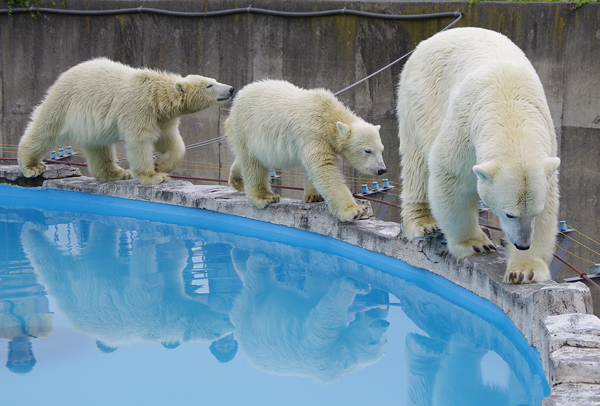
x,y
92,82
450,56
272,119
461,63
90,100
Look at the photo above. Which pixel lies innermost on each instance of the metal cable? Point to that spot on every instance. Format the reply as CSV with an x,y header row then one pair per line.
x,y
204,143
219,13
460,15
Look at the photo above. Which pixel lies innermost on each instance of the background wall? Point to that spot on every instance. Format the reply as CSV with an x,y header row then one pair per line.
x,y
330,52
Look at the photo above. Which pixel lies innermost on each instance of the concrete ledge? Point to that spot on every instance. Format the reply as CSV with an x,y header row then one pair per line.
x,y
11,174
571,349
573,395
555,318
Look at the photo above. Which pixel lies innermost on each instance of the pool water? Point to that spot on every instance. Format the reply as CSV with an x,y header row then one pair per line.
x,y
107,301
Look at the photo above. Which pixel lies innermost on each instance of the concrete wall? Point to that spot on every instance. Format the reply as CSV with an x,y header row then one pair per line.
x,y
330,52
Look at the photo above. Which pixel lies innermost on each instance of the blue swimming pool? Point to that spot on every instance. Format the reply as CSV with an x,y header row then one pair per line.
x,y
107,301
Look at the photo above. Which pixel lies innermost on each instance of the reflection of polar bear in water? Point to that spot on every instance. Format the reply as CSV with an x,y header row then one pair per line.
x,y
289,332
450,373
118,299
461,360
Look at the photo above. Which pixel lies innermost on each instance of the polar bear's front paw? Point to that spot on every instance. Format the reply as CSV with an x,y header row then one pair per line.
x,y
313,197
470,247
120,175
164,165
33,170
529,272
111,174
421,227
361,288
354,212
265,199
154,179
260,263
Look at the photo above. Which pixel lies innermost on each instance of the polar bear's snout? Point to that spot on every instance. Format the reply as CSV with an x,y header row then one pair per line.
x,y
226,94
519,231
380,324
378,171
378,167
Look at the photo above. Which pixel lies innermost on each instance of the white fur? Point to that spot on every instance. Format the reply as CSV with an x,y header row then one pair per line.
x,y
286,331
474,123
100,102
274,124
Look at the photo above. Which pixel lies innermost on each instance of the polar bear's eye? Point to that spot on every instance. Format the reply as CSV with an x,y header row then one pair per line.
x,y
208,86
509,216
368,151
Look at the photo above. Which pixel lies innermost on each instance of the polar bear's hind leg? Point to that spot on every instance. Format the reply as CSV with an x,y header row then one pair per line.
x,y
102,163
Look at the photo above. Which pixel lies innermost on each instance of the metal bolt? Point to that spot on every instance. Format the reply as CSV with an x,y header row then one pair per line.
x,y
597,269
562,225
53,155
61,152
375,185
69,150
480,205
364,189
385,183
272,173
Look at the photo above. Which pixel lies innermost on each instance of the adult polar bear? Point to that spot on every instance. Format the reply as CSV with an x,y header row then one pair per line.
x,y
99,102
474,121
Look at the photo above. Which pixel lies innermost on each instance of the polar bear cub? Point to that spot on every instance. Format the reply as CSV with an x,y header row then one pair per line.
x,y
274,124
474,123
100,102
287,331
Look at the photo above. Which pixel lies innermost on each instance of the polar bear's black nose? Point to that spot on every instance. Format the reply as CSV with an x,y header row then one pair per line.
x,y
521,248
381,171
231,90
380,323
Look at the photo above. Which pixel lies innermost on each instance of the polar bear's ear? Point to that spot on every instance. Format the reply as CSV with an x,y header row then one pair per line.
x,y
180,86
484,172
343,129
378,127
551,165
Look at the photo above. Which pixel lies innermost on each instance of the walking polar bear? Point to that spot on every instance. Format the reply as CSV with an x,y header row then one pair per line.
x,y
274,124
474,123
287,331
100,102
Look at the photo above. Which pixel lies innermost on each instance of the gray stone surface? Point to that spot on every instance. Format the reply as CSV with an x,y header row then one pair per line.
x,y
573,395
574,365
13,175
570,349
555,318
